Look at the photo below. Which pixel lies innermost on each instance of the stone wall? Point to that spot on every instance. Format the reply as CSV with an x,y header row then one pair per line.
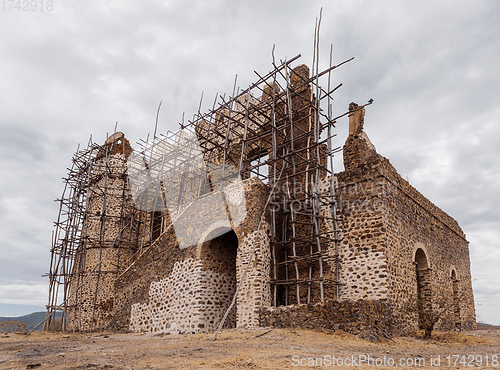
x,y
363,267
110,235
190,300
175,290
170,301
370,319
255,290
414,223
384,222
153,265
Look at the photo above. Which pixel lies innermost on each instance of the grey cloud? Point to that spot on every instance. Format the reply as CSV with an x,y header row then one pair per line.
x,y
431,70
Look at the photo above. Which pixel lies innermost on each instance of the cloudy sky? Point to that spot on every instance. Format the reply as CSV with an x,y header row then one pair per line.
x,y
78,67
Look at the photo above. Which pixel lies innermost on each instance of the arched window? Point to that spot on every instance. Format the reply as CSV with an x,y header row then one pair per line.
x,y
421,259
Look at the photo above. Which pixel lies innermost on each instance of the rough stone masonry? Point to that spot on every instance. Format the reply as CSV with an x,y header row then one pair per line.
x,y
396,247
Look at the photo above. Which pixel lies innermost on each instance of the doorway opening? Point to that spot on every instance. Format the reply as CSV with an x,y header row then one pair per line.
x,y
219,253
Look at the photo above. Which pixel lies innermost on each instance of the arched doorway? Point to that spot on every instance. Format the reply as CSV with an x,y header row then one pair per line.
x,y
456,299
218,254
424,291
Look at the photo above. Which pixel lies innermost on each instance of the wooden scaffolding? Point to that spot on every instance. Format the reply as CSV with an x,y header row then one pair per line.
x,y
279,129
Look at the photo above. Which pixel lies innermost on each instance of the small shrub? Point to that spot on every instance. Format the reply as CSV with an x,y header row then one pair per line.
x,y
13,326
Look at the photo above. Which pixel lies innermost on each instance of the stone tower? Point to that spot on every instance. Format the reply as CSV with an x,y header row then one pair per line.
x,y
109,238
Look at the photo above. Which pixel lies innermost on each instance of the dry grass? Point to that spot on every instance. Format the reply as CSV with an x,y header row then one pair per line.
x,y
451,338
234,349
237,362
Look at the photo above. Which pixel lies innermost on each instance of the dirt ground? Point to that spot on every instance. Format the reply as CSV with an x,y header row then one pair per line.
x,y
259,349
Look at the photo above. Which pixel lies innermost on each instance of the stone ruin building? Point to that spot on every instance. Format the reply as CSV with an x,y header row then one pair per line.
x,y
239,220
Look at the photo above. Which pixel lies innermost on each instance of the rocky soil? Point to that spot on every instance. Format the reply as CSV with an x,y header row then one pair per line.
x,y
259,349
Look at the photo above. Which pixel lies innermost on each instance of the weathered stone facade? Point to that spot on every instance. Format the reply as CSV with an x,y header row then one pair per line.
x,y
371,319
173,290
112,230
395,248
397,245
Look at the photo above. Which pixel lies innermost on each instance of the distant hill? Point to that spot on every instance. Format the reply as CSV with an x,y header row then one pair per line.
x,y
31,319
484,326
35,318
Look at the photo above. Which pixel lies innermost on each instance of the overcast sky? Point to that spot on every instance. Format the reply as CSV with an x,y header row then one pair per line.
x,y
431,67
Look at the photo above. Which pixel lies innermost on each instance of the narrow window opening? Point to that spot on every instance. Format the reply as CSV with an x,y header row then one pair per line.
x,y
157,225
259,167
456,300
424,291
